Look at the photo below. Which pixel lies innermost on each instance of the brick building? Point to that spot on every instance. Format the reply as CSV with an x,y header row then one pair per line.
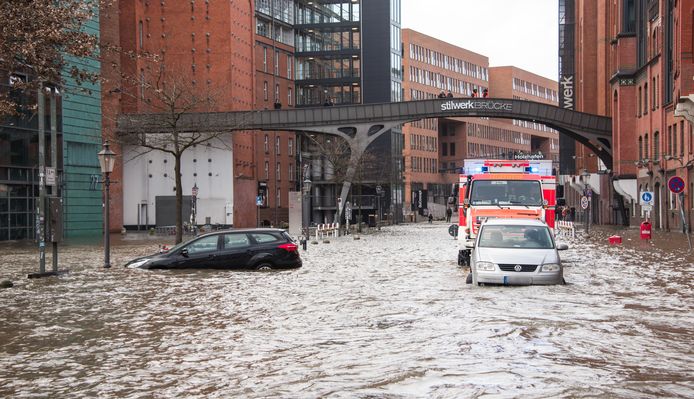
x,y
435,149
637,77
275,151
210,46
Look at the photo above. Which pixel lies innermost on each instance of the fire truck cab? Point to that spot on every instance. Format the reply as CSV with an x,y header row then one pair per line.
x,y
503,189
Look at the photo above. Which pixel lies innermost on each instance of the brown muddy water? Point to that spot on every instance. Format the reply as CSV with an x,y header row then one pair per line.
x,y
387,316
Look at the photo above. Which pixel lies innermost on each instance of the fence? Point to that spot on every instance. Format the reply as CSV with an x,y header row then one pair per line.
x,y
565,228
327,230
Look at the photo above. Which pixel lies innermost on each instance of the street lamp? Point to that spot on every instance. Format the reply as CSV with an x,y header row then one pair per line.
x,y
306,205
379,194
107,159
194,209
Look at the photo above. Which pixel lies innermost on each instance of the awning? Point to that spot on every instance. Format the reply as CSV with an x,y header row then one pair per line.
x,y
628,188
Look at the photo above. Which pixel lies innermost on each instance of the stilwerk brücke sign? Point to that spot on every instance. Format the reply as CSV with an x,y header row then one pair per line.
x,y
477,105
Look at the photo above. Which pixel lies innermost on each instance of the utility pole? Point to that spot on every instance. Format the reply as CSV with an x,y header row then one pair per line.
x,y
54,165
41,209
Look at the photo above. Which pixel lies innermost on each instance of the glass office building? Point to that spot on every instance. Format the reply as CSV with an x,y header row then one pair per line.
x,y
349,52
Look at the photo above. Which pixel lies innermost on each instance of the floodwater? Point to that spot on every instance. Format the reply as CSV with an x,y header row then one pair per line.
x,y
387,316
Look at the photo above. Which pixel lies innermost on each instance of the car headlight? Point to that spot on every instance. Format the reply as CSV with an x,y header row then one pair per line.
x,y
551,267
138,263
485,266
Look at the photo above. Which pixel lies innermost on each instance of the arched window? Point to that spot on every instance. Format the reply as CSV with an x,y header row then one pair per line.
x,y
638,109
646,146
645,99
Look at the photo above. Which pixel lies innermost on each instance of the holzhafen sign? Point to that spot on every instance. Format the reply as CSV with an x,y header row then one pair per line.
x,y
454,105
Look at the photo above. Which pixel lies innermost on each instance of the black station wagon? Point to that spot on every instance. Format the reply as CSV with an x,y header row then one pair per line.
x,y
259,249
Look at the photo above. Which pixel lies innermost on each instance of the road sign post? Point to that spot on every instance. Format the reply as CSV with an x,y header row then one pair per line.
x,y
585,205
676,186
647,200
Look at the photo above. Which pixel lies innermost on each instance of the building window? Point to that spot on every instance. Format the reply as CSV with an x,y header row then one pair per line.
x,y
290,146
265,60
278,172
656,146
291,172
277,62
290,60
265,90
646,146
267,170
444,149
289,96
266,144
669,141
452,149
140,34
279,197
638,107
277,145
640,147
645,99
277,93
682,138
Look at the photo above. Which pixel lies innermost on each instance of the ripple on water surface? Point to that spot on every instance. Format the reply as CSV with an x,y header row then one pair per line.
x,y
387,316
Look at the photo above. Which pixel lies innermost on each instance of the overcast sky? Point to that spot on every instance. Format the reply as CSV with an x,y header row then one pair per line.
x,y
522,33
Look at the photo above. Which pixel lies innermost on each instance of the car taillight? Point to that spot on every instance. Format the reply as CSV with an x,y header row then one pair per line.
x,y
289,247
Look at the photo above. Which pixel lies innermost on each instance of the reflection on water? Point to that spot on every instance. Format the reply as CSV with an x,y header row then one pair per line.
x,y
388,316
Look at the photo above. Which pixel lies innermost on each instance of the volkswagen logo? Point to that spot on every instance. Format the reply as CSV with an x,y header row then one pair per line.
x,y
518,268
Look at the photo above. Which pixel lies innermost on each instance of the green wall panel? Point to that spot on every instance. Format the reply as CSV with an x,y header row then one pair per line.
x,y
81,142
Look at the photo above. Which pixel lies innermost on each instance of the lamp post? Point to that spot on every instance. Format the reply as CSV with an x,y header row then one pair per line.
x,y
306,204
107,159
379,194
194,209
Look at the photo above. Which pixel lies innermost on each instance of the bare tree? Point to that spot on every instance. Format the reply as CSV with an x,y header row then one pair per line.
x,y
170,96
37,37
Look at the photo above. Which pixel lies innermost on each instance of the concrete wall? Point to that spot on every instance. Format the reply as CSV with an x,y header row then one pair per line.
x,y
151,175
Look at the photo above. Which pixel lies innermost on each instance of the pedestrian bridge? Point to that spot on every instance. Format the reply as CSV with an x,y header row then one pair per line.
x,y
361,124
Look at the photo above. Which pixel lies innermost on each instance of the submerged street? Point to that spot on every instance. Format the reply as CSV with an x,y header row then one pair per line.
x,y
387,316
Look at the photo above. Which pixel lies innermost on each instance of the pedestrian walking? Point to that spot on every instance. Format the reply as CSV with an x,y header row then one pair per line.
x,y
431,218
449,213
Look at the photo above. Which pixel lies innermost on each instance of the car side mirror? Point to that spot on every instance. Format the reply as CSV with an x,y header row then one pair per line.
x,y
184,252
562,247
470,244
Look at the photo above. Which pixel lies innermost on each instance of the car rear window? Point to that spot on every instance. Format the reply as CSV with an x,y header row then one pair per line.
x,y
263,238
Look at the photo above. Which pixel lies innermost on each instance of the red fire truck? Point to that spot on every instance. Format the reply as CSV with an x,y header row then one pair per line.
x,y
503,189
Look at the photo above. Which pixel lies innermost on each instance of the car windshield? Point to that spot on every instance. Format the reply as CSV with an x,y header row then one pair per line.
x,y
506,192
514,236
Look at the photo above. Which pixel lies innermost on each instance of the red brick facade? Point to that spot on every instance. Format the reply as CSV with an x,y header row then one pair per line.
x,y
210,43
650,144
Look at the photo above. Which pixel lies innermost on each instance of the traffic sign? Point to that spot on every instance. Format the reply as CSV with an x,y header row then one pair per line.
x,y
676,184
647,198
584,202
50,176
259,200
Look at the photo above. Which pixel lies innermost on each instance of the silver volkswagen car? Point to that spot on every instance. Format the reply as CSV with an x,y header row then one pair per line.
x,y
516,252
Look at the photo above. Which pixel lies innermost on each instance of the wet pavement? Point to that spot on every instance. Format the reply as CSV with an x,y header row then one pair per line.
x,y
387,316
